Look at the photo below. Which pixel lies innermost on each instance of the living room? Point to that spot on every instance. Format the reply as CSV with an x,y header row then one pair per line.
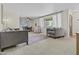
x,y
48,26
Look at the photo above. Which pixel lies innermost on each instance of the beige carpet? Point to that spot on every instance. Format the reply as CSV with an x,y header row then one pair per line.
x,y
46,46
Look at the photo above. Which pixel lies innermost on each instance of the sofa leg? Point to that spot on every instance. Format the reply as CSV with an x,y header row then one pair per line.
x,y
54,37
27,43
1,50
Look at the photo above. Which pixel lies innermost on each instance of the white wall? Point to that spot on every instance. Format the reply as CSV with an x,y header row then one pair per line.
x,y
75,21
10,17
12,12
0,19
0,16
65,21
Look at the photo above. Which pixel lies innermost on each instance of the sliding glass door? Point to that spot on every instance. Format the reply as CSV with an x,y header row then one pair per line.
x,y
55,21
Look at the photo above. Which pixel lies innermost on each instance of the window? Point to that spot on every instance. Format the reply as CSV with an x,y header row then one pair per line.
x,y
57,20
49,21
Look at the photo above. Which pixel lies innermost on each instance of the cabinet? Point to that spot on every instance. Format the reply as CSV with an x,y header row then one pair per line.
x,y
77,43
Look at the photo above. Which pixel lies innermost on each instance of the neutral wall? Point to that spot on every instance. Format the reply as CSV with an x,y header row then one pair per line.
x,y
10,17
75,21
0,16
12,12
65,21
0,19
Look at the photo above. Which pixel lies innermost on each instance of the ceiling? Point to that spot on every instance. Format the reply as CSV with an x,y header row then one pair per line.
x,y
38,9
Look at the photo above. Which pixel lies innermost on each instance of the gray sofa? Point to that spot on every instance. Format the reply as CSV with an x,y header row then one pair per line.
x,y
12,38
55,32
